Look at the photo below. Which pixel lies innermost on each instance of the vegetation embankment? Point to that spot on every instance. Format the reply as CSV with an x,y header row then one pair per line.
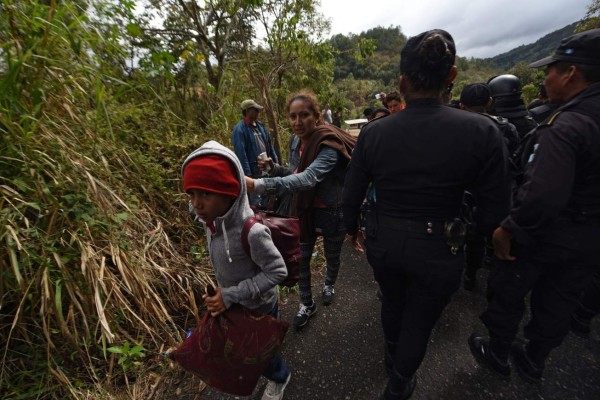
x,y
92,226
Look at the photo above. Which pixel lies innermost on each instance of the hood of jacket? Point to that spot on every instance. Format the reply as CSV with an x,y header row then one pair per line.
x,y
229,223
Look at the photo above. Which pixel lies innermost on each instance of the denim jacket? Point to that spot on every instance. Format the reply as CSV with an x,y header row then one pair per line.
x,y
326,172
244,145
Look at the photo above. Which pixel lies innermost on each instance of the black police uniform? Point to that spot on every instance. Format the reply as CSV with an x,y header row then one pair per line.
x,y
555,224
422,160
509,132
476,245
543,111
513,109
589,307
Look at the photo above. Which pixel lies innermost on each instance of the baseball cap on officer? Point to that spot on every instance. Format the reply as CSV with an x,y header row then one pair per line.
x,y
581,48
249,103
475,94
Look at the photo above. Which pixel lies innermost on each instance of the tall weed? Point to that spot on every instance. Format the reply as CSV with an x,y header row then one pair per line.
x,y
89,208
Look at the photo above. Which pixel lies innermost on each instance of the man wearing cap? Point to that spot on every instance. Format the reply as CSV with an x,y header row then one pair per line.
x,y
475,97
250,138
548,245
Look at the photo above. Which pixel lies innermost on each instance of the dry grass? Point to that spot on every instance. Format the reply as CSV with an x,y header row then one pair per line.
x,y
94,238
79,276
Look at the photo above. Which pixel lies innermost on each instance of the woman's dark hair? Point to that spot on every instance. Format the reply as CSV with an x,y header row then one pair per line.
x,y
427,59
309,98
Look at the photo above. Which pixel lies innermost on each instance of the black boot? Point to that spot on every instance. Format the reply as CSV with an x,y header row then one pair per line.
x,y
399,387
389,356
529,370
493,355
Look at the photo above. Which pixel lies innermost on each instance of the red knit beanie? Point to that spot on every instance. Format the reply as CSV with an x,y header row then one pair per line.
x,y
212,173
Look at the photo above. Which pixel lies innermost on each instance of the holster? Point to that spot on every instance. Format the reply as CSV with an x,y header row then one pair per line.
x,y
455,232
369,218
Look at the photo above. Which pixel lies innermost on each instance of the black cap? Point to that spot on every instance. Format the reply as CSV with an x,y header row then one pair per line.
x,y
409,61
581,48
475,94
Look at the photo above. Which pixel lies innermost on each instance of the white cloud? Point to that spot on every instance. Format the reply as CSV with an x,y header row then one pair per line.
x,y
481,28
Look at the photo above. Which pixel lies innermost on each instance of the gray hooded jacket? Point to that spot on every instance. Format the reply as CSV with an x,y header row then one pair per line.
x,y
250,281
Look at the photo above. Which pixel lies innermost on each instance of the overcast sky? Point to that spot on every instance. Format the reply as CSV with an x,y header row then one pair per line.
x,y
481,28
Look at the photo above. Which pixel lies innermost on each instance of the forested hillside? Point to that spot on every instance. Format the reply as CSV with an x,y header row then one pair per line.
x,y
369,62
533,51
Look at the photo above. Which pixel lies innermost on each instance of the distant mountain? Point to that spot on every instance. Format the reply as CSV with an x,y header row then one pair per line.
x,y
531,52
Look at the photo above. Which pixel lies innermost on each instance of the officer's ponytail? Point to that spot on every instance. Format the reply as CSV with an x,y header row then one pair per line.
x,y
427,59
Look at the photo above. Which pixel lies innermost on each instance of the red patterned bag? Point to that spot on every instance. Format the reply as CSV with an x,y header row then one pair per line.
x,y
285,232
230,352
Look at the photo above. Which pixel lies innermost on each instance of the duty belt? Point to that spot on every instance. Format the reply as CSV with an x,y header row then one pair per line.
x,y
412,225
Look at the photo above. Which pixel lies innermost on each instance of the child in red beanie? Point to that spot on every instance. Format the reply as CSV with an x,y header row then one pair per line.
x,y
214,179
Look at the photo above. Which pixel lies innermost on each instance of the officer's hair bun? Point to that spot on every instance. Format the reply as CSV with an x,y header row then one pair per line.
x,y
435,53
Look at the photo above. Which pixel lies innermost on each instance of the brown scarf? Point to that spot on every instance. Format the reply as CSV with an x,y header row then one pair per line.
x,y
302,202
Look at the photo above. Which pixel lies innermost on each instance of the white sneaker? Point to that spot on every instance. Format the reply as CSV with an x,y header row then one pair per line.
x,y
274,390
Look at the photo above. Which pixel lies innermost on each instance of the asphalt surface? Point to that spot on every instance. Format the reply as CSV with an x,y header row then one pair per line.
x,y
339,354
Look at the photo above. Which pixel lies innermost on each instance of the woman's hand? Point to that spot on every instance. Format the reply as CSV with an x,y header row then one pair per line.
x,y
265,164
214,304
353,239
249,184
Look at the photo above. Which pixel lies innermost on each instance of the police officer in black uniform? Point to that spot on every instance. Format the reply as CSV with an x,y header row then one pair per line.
x,y
506,92
548,245
589,307
422,160
476,97
541,108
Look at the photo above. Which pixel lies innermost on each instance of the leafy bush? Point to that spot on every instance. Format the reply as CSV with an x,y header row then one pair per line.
x,y
89,162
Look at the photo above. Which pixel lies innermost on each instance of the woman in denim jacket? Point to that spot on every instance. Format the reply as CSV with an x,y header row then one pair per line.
x,y
311,188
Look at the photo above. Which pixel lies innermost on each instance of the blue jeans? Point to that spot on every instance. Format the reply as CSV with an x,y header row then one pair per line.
x,y
277,370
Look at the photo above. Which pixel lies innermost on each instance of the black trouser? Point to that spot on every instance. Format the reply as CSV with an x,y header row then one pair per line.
x,y
417,275
589,303
328,223
555,274
476,247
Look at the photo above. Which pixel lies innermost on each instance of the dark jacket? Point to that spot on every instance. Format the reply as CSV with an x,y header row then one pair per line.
x,y
423,159
509,132
246,149
513,109
562,172
543,111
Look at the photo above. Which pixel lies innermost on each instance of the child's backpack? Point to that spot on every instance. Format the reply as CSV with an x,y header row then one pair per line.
x,y
285,232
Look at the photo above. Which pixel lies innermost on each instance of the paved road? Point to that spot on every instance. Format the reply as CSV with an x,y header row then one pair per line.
x,y
338,355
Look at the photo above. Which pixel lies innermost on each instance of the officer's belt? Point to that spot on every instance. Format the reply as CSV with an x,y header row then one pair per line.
x,y
411,225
